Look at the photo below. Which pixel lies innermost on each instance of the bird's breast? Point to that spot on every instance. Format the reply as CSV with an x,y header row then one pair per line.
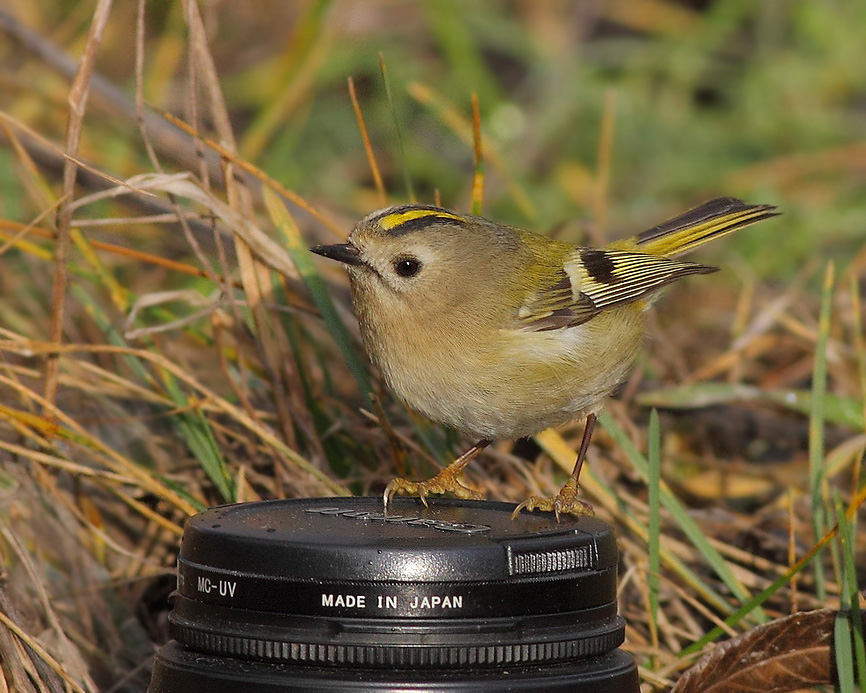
x,y
505,383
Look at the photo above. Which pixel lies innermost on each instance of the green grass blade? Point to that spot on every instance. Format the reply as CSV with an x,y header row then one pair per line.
x,y
407,179
191,425
842,653
197,433
816,425
850,599
838,409
566,459
654,486
183,493
688,576
680,515
777,584
110,331
300,255
454,36
748,606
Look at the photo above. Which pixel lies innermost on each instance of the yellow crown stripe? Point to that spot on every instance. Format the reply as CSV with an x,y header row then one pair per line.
x,y
392,221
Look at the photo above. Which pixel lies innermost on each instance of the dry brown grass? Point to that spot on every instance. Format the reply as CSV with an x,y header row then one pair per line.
x,y
162,345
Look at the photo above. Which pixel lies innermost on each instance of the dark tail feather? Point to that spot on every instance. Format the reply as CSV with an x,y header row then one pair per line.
x,y
700,225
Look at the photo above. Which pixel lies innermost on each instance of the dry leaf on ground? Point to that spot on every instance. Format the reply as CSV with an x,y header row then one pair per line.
x,y
787,654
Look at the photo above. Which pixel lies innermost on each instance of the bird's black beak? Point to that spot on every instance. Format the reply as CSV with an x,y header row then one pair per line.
x,y
346,253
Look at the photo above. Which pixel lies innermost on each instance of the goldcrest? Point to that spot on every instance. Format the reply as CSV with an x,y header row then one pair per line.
x,y
499,333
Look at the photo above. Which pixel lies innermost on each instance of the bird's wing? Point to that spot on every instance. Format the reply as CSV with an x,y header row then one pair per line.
x,y
597,279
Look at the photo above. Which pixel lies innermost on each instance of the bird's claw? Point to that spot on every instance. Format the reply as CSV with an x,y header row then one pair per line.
x,y
565,502
445,481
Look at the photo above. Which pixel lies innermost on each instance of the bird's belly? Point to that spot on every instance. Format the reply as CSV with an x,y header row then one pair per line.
x,y
524,383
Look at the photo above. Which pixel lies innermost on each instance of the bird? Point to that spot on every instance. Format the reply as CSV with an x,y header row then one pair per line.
x,y
499,333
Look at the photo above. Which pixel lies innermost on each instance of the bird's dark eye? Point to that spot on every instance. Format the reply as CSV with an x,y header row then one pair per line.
x,y
407,266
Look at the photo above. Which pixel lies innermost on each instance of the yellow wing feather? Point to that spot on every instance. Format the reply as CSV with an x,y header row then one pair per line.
x,y
593,280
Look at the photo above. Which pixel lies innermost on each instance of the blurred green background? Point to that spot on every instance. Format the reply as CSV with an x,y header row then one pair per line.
x,y
761,100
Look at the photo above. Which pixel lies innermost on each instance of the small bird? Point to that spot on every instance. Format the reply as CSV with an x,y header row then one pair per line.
x,y
500,333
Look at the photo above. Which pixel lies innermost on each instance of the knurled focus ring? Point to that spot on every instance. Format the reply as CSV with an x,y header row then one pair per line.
x,y
402,656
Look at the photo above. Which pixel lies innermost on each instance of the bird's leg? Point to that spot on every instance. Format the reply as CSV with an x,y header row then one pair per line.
x,y
566,501
445,481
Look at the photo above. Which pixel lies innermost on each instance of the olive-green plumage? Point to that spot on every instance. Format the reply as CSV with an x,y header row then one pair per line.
x,y
500,333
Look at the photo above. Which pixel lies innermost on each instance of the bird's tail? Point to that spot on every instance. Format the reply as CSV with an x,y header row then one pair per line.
x,y
700,225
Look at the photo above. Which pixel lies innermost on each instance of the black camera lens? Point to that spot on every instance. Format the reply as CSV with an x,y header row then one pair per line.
x,y
335,595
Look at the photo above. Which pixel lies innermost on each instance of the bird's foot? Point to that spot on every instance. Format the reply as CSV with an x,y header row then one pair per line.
x,y
565,502
445,481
